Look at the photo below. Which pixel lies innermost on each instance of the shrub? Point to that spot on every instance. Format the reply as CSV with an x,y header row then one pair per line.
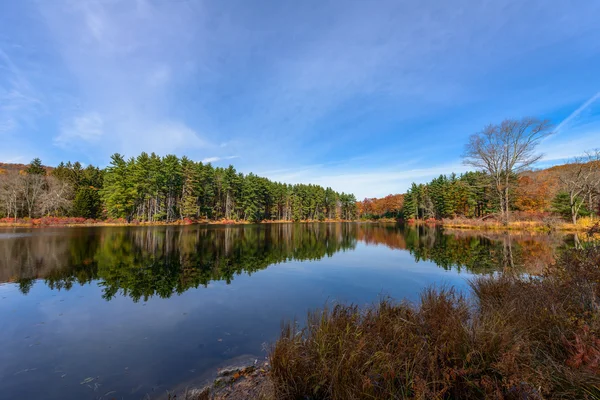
x,y
513,338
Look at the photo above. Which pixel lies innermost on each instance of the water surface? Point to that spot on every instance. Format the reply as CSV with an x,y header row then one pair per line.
x,y
130,312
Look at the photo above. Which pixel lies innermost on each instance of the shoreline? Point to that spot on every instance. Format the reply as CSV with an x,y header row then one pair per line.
x,y
519,226
461,224
67,223
583,225
242,382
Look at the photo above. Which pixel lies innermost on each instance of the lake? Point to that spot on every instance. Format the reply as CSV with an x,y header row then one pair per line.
x,y
131,312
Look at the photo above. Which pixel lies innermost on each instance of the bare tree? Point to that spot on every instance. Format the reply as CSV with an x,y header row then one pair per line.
x,y
33,186
57,198
505,150
10,193
581,180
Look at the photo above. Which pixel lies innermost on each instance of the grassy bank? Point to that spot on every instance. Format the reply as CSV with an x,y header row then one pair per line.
x,y
512,338
542,225
77,221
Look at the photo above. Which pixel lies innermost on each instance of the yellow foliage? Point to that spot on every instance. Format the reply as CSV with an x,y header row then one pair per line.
x,y
586,222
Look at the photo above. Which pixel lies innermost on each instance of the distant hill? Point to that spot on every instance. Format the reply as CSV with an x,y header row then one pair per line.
x,y
6,167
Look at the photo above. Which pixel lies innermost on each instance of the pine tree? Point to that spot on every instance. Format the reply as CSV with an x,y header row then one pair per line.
x,y
118,193
87,202
36,167
189,198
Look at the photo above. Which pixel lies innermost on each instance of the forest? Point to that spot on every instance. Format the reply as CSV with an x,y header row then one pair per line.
x,y
568,191
504,184
150,188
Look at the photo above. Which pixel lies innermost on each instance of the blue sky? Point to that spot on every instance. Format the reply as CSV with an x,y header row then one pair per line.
x,y
361,96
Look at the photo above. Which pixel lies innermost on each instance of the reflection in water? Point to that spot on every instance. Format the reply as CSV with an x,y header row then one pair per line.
x,y
143,262
475,251
63,332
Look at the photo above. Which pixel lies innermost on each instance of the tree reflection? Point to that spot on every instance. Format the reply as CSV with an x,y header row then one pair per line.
x,y
143,262
474,251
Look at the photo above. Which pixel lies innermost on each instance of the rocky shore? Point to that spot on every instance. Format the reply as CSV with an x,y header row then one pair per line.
x,y
234,383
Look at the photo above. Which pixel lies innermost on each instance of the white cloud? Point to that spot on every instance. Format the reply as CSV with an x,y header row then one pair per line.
x,y
7,124
215,159
562,149
577,133
126,68
165,137
87,128
565,123
206,79
378,182
13,158
20,104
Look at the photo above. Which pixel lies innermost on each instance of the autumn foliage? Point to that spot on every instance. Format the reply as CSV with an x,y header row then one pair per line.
x,y
59,221
512,338
535,195
535,191
389,206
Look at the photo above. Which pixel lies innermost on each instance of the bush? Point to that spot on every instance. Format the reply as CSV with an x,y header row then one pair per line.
x,y
514,338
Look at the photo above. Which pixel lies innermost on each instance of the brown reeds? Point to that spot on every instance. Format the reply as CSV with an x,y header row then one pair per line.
x,y
511,338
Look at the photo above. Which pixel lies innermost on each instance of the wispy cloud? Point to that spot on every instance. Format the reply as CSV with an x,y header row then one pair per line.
x,y
126,71
375,182
84,130
346,88
576,134
216,159
565,122
19,102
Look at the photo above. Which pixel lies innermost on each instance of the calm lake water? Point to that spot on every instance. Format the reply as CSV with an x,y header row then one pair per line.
x,y
130,312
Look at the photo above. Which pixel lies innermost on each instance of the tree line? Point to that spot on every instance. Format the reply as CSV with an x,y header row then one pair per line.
x,y
504,181
150,188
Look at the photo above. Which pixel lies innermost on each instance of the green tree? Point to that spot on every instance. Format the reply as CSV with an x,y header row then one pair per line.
x,y
87,202
189,195
118,193
561,204
36,167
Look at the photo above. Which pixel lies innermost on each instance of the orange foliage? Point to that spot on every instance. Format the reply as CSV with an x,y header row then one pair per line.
x,y
391,203
535,191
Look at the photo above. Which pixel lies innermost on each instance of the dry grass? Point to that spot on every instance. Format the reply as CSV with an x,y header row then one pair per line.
x,y
542,224
492,224
583,224
514,338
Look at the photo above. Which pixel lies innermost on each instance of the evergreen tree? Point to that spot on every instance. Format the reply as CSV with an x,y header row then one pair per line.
x,y
561,204
87,203
36,167
151,188
189,195
118,193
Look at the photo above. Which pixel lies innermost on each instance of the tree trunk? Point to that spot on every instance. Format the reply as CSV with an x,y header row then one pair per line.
x,y
506,205
574,210
501,197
